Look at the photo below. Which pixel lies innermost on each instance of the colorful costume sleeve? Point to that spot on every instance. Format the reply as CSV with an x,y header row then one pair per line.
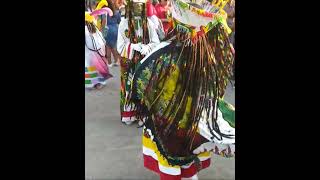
x,y
124,47
154,38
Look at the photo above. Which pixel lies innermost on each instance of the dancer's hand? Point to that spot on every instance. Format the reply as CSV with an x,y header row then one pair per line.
x,y
145,49
136,47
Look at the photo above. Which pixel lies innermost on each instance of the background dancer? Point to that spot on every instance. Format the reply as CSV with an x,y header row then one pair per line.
x,y
136,38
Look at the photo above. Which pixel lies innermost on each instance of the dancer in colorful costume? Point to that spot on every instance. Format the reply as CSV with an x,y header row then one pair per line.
x,y
96,70
178,90
136,38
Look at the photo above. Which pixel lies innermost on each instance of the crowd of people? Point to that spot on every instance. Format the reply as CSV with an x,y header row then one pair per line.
x,y
176,58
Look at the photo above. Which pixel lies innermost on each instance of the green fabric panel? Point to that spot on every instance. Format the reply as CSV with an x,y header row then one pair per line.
x,y
228,112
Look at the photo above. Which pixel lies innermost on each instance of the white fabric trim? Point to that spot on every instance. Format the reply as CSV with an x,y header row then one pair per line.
x,y
128,119
93,78
149,152
209,146
223,125
89,86
159,46
167,170
188,17
204,158
187,166
170,170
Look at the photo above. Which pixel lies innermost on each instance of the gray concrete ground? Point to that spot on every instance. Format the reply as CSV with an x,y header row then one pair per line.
x,y
114,151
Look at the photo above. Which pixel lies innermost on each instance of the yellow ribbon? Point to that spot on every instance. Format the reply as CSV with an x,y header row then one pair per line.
x,y
193,33
223,13
101,4
88,17
225,24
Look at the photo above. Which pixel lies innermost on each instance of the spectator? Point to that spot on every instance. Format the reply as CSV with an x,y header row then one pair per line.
x,y
152,15
112,33
162,12
150,8
119,4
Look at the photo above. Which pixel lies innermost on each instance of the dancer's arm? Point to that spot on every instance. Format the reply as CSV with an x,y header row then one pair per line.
x,y
124,47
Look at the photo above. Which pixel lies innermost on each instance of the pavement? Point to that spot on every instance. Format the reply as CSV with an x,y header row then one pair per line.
x,y
114,151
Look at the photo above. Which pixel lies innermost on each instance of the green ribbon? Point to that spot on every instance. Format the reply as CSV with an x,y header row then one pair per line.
x,y
183,5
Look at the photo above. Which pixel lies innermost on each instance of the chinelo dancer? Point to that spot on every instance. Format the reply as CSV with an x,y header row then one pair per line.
x,y
178,91
137,37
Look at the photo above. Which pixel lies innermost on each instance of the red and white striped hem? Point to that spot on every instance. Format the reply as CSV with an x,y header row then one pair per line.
x,y
189,172
128,116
